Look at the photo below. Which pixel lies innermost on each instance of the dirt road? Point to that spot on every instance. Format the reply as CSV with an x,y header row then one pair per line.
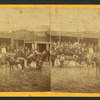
x,y
73,78
27,81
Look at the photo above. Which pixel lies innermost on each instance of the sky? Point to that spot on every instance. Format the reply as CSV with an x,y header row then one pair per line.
x,y
75,19
62,19
32,19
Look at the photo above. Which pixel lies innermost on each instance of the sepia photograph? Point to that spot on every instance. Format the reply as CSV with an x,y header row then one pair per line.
x,y
24,49
75,50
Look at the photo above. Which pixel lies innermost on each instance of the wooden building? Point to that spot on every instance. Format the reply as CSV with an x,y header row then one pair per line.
x,y
86,37
30,39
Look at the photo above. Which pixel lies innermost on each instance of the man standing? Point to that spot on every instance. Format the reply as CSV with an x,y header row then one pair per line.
x,y
53,57
3,50
62,58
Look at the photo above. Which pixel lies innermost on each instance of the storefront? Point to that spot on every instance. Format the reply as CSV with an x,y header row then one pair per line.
x,y
28,43
68,38
24,38
89,40
82,37
5,41
18,43
42,45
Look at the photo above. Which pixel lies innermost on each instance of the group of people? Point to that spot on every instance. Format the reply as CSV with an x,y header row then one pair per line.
x,y
32,55
28,54
5,48
59,50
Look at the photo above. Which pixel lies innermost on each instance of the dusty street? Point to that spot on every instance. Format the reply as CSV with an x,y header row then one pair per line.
x,y
73,78
27,81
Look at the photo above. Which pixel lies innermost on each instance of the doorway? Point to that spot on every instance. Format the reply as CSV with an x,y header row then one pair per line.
x,y
28,45
41,47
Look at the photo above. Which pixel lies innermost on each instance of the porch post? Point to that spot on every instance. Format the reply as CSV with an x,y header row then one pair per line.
x,y
59,38
78,39
35,45
98,44
47,46
12,43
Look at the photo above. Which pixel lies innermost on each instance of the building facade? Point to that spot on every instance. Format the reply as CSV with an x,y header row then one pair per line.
x,y
86,37
25,38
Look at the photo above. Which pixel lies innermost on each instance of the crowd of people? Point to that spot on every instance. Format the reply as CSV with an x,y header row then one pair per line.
x,y
28,54
60,49
19,50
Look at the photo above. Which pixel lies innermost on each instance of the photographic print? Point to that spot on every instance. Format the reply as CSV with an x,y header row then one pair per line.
x,y
50,50
24,49
75,50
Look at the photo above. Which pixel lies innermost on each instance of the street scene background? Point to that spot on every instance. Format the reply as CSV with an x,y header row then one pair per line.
x,y
75,50
24,49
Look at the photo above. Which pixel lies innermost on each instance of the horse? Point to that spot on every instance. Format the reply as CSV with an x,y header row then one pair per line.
x,y
96,59
31,57
36,57
3,60
15,60
44,55
82,56
40,59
